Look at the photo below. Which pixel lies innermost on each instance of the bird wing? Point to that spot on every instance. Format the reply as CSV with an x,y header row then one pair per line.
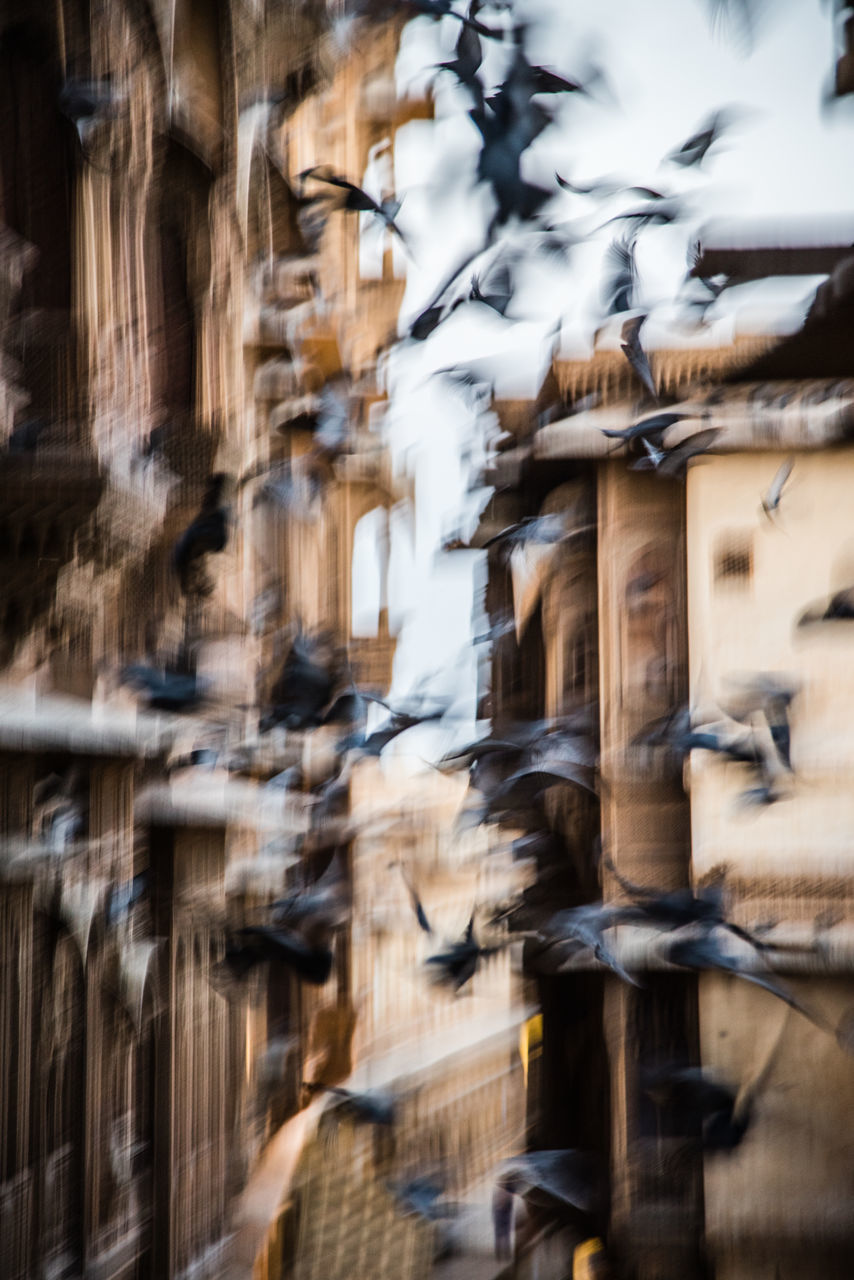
x,y
562,1175
635,354
775,490
677,458
357,199
621,276
420,914
528,783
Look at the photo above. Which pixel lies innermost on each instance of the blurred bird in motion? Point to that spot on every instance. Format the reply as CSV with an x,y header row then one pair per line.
x,y
772,498
358,201
167,688
458,965
207,534
694,149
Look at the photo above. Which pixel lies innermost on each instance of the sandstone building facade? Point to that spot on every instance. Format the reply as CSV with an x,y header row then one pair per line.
x,y
167,315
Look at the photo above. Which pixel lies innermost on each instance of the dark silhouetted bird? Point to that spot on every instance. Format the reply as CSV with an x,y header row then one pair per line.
x,y
306,687
508,122
695,1103
705,952
469,55
88,103
652,429
673,462
206,534
165,689
544,529
676,908
256,944
26,436
771,695
635,354
496,291
363,1108
657,212
620,283
318,909
568,1177
400,720
414,898
458,965
840,608
357,200
421,1197
576,928
693,150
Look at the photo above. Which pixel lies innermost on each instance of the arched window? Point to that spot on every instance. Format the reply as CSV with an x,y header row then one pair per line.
x,y
651,661
177,281
378,181
38,149
369,572
581,671
199,28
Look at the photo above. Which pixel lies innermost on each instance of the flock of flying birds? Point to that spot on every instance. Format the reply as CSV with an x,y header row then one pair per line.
x,y
510,773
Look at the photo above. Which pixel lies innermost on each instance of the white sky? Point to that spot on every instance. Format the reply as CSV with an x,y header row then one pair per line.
x,y
667,71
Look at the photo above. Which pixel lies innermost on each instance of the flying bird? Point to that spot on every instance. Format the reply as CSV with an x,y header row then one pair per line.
x,y
771,695
304,694
772,498
469,56
674,462
497,290
676,908
621,277
421,1198
60,808
546,529
706,952
364,1108
693,150
635,354
659,211
458,965
417,905
744,13
546,81
652,429
252,945
122,898
88,104
695,1103
603,188
508,122
840,608
166,689
205,535
697,306
400,720
568,1177
317,910
584,927
357,200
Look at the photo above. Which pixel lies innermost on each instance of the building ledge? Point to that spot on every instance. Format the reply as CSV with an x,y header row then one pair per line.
x,y
809,414
420,1060
221,802
34,723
